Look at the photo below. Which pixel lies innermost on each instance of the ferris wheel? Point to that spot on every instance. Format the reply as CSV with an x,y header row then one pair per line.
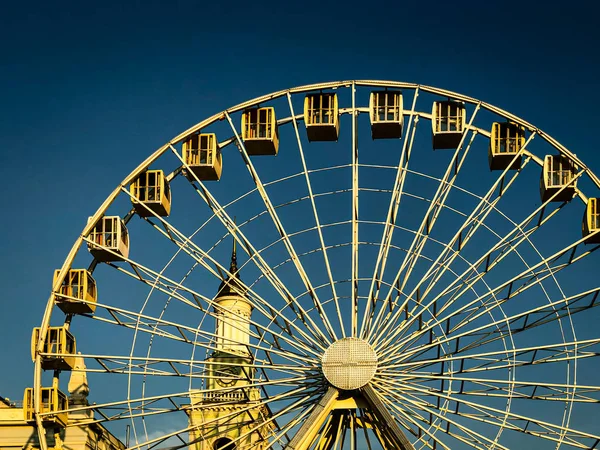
x,y
346,265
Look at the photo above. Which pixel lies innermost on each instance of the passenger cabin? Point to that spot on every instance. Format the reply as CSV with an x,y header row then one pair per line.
x,y
448,124
506,141
77,294
259,131
321,117
591,221
52,401
58,340
558,172
386,112
109,240
151,194
202,154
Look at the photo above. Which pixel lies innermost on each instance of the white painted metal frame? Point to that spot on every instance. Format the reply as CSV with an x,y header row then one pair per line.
x,y
462,339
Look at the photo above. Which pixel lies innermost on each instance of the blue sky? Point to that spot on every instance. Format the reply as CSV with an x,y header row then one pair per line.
x,y
88,90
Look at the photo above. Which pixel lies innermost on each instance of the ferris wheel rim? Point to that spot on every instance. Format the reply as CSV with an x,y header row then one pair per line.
x,y
301,89
145,164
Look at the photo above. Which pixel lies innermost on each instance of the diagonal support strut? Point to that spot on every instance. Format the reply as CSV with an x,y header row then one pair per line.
x,y
392,429
387,427
304,436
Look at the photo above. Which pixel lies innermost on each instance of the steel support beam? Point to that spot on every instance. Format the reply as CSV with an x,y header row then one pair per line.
x,y
307,432
385,419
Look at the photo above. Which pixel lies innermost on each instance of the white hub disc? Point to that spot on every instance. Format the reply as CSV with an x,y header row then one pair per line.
x,y
349,363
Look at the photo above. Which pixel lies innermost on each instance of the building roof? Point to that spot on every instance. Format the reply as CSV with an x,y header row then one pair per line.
x,y
5,403
232,285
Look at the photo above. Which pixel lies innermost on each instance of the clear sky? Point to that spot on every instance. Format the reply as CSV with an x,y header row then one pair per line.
x,y
88,89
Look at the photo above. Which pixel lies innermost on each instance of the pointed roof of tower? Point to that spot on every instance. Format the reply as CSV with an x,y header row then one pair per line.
x,y
232,284
78,385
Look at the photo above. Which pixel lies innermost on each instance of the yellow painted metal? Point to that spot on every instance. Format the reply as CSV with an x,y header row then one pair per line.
x,y
321,117
52,401
349,402
507,139
78,284
386,111
260,132
151,193
323,427
558,172
109,239
387,423
591,221
58,340
324,439
305,436
99,213
448,120
202,154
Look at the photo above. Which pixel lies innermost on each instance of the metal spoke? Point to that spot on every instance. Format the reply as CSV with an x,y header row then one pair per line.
x,y
161,283
125,364
517,357
490,387
463,235
429,219
476,330
528,280
477,276
470,437
224,417
317,220
280,229
395,199
354,306
217,209
518,322
220,272
513,417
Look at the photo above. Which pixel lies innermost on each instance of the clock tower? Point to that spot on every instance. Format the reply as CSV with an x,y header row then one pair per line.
x,y
226,414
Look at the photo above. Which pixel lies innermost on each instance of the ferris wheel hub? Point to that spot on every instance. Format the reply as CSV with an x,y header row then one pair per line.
x,y
349,363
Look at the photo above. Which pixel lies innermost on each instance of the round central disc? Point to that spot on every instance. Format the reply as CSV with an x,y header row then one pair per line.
x,y
349,363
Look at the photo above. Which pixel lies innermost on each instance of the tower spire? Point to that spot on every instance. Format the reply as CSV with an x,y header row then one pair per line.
x,y
232,283
233,268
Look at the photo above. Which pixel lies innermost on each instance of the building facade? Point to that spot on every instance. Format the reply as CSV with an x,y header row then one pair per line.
x,y
227,414
16,433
